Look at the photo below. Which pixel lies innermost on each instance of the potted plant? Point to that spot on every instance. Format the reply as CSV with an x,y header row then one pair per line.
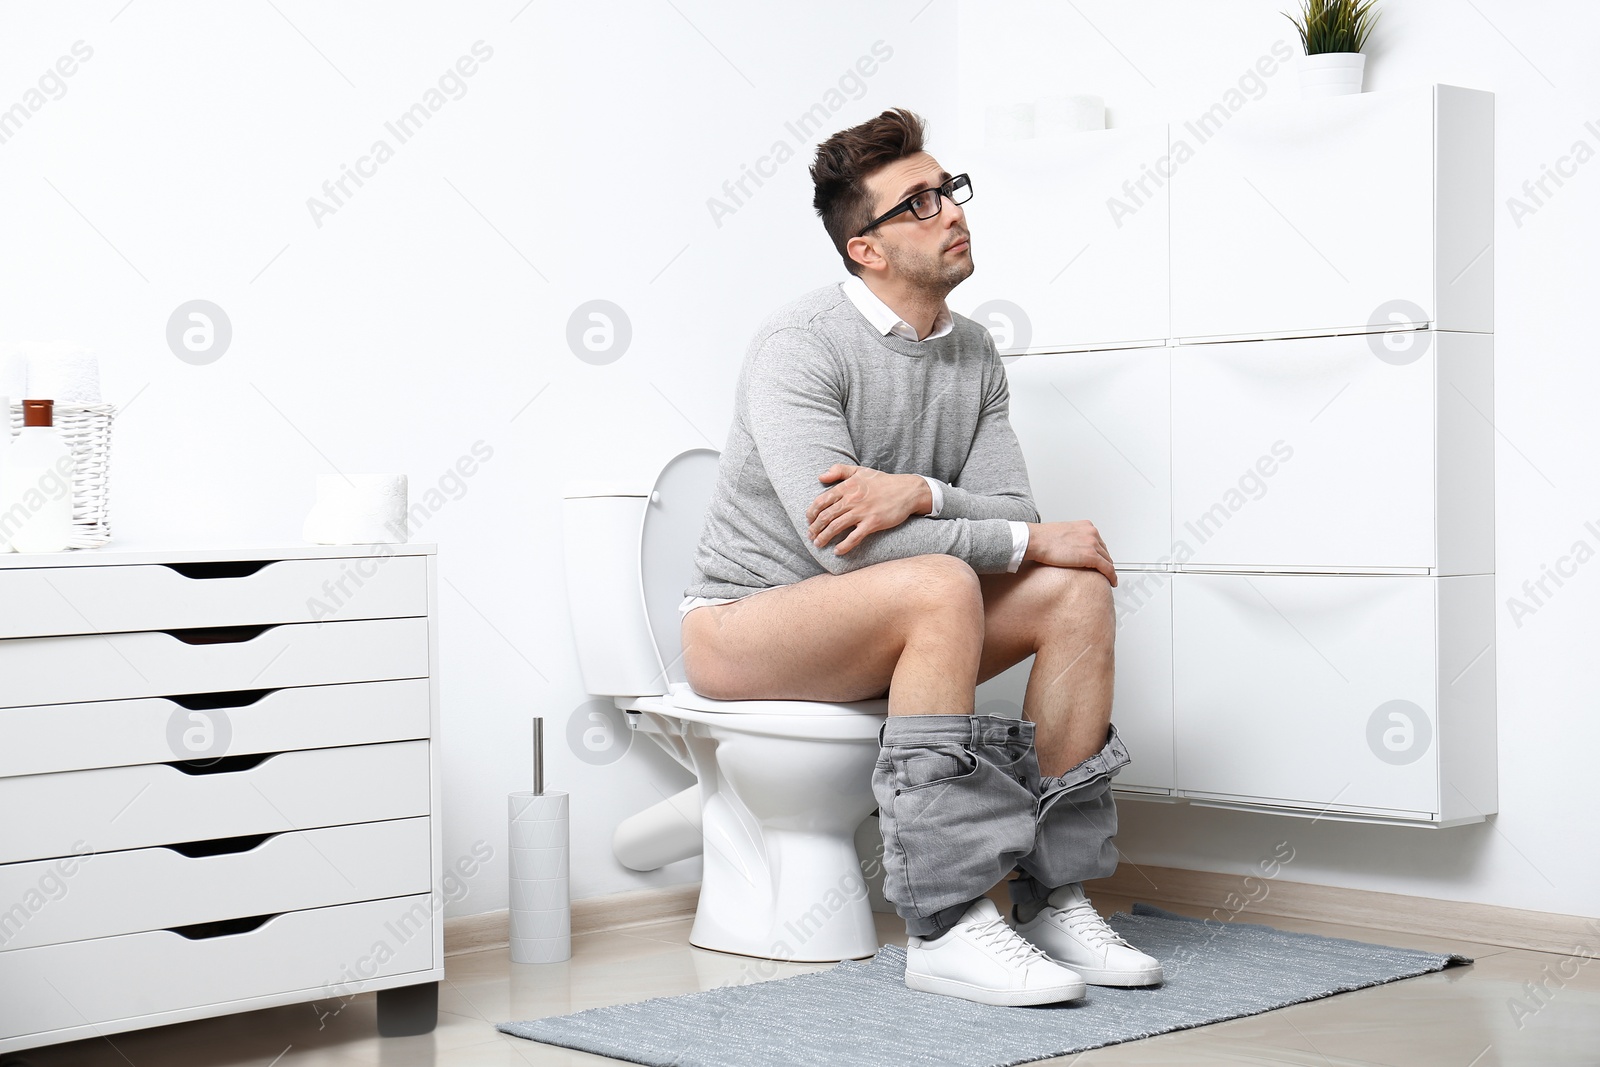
x,y
1333,32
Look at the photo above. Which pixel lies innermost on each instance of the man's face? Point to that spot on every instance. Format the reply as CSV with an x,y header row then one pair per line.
x,y
935,254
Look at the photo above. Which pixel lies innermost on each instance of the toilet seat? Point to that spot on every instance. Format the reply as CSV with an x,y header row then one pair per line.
x,y
776,718
682,696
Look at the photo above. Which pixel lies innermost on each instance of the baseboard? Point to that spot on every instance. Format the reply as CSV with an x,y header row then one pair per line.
x,y
1231,896
615,911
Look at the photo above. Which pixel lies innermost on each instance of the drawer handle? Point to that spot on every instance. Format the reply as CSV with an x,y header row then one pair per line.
x,y
223,927
223,764
235,698
220,846
243,568
219,635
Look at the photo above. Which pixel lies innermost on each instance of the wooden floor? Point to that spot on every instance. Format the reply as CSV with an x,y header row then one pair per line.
x,y
1460,1017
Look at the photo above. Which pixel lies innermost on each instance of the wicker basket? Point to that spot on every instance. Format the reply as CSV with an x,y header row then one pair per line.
x,y
87,430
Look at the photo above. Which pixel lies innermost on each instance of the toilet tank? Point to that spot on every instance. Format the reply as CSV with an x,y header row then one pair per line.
x,y
629,556
600,527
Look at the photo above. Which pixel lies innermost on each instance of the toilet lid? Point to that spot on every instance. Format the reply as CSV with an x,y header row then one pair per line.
x,y
673,522
681,696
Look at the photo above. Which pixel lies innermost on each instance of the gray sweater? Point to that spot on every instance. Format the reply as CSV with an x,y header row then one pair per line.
x,y
819,386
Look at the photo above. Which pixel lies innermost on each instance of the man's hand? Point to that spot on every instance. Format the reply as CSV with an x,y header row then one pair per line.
x,y
867,499
1069,544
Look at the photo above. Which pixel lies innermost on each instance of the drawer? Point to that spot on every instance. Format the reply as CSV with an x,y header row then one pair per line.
x,y
1256,247
1095,430
158,804
110,980
40,602
43,738
80,897
1339,692
62,670
1318,453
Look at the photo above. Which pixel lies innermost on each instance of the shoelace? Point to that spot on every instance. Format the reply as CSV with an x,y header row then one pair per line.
x,y
1009,944
1084,921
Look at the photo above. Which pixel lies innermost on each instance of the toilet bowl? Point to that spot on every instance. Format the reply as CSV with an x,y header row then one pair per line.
x,y
782,785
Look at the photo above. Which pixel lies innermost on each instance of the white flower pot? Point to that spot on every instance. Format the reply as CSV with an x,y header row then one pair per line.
x,y
1331,73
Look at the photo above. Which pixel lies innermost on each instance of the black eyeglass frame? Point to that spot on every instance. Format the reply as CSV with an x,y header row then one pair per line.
x,y
940,193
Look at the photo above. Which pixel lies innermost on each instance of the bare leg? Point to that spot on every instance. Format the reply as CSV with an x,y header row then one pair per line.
x,y
1064,617
913,628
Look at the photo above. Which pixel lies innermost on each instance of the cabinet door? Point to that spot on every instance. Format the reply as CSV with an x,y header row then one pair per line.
x,y
1141,705
1307,452
1094,429
1306,215
1310,691
1069,241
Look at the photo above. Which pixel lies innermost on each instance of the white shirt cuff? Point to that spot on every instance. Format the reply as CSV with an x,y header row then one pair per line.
x,y
938,496
1019,544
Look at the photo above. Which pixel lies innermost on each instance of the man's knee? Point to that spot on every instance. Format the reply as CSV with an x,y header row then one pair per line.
x,y
940,583
1082,596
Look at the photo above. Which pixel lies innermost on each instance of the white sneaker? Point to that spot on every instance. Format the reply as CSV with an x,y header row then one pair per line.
x,y
1073,933
983,960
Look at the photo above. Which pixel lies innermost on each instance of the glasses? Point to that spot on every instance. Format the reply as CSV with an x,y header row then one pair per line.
x,y
926,204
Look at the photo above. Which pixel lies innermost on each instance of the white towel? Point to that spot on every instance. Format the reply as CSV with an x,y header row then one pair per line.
x,y
63,372
367,509
1068,114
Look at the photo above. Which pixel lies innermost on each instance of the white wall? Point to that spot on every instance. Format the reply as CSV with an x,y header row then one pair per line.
x,y
429,311
1170,61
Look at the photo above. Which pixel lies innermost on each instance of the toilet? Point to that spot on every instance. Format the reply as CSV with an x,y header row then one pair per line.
x,y
782,785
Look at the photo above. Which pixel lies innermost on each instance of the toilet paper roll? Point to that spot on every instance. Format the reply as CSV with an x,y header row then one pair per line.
x,y
541,909
1007,122
1068,114
363,509
63,372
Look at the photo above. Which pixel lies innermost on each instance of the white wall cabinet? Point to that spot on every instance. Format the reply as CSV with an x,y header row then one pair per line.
x,y
1302,468
1316,216
1097,439
228,758
1056,268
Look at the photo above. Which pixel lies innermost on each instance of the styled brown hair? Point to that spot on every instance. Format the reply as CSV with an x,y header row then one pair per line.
x,y
844,160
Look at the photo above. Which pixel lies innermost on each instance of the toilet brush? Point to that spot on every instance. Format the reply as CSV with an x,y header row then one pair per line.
x,y
541,914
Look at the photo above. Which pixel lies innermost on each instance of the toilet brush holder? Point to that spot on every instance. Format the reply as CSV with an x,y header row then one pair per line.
x,y
541,914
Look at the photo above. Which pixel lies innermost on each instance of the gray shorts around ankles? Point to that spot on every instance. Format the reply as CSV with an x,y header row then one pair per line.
x,y
961,803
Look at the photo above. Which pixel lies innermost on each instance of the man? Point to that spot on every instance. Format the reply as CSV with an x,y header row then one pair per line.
x,y
872,531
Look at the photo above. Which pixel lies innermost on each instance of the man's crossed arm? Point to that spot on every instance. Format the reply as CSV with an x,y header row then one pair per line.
x,y
864,501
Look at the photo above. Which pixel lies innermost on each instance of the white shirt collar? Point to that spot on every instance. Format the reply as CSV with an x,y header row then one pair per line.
x,y
883,318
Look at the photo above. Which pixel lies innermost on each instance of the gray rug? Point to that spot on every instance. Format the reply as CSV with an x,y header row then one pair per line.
x,y
860,1013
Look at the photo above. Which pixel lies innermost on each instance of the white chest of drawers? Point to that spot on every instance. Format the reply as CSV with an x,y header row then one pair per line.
x,y
218,786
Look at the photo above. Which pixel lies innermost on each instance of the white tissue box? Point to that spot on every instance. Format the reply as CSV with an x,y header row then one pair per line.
x,y
361,509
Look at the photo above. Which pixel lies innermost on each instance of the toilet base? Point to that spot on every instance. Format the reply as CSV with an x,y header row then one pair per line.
x,y
786,884
820,912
